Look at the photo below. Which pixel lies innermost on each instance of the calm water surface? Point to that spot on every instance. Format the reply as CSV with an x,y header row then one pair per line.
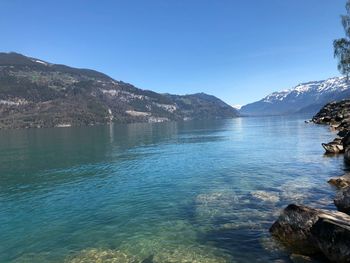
x,y
172,192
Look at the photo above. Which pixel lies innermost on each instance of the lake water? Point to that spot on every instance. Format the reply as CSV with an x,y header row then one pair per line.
x,y
171,192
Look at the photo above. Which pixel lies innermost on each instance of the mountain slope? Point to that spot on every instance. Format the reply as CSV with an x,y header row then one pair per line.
x,y
35,93
304,98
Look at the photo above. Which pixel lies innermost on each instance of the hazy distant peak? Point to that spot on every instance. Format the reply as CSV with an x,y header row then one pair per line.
x,y
237,106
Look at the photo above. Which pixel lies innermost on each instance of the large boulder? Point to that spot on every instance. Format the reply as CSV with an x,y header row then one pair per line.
x,y
311,231
333,239
293,229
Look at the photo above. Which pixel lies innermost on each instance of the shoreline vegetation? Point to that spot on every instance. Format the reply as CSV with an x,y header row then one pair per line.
x,y
318,233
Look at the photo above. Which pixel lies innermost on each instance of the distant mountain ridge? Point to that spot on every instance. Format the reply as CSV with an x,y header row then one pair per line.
x,y
36,93
308,97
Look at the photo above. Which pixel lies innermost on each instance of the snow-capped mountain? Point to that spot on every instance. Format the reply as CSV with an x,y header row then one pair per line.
x,y
237,106
304,98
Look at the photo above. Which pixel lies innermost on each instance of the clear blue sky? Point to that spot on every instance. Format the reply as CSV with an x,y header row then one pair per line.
x,y
238,50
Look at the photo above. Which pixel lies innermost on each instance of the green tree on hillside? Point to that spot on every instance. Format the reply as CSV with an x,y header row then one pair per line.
x,y
342,45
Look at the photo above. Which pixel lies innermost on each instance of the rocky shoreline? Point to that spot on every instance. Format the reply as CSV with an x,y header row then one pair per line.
x,y
315,232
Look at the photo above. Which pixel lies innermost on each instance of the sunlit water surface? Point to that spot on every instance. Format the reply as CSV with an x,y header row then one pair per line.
x,y
172,192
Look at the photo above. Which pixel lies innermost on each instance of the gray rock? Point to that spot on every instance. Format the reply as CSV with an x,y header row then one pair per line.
x,y
333,238
342,200
293,229
347,155
342,133
346,140
311,231
336,146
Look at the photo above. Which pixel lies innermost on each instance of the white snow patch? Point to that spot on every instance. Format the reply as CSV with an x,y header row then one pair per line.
x,y
39,61
337,84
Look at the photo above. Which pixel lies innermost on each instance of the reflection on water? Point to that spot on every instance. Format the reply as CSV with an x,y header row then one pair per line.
x,y
170,192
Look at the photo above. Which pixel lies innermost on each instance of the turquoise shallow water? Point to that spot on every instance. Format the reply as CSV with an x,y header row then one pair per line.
x,y
171,192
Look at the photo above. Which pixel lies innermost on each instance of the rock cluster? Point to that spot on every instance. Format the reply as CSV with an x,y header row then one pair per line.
x,y
311,231
337,115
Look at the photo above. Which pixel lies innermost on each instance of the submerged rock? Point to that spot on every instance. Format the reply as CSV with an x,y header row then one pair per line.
x,y
148,259
211,205
271,244
296,258
297,190
102,256
311,231
184,254
266,196
35,257
342,200
221,211
155,250
173,241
